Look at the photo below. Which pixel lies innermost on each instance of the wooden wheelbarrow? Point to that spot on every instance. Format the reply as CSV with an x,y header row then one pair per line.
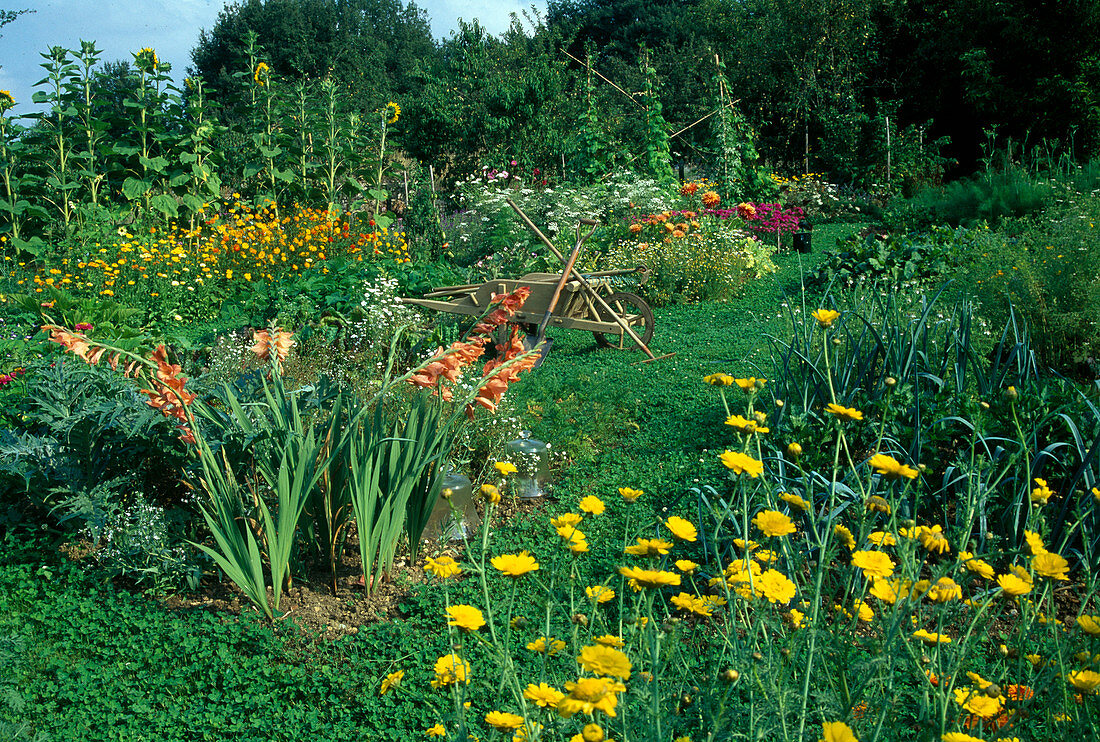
x,y
570,299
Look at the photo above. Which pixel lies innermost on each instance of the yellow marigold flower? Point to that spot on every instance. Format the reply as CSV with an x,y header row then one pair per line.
x,y
1041,495
795,501
845,414
542,694
600,593
505,468
742,463
437,730
825,317
515,565
443,567
503,721
450,669
630,495
933,539
931,639
977,566
1089,624
544,645
690,604
490,493
1084,680
837,731
959,737
602,660
650,577
775,586
978,703
845,536
719,380
1034,659
392,112
566,520
578,546
874,564
773,523
592,505
887,590
1051,565
649,547
797,618
890,468
590,694
391,681
686,566
465,617
681,529
943,590
744,426
610,640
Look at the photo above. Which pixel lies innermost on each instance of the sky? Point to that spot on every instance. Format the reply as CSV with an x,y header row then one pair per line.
x,y
120,27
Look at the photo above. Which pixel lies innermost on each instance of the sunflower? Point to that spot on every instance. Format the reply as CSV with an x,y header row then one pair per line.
x,y
262,74
392,112
6,100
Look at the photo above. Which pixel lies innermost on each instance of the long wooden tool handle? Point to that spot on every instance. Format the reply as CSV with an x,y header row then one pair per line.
x,y
599,299
557,290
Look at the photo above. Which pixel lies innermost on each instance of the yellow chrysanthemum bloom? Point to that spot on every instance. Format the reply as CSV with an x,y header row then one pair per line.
x,y
450,669
773,523
588,695
590,733
566,520
443,567
797,618
649,547
978,703
719,380
630,495
465,617
977,566
888,590
750,385
543,695
795,501
490,493
1051,565
515,565
503,721
1084,680
592,505
599,593
741,463
837,731
845,414
650,577
1017,582
943,590
681,528
874,564
775,586
931,639
391,681
1089,624
890,468
610,640
1034,543
933,539
1041,495
959,737
544,645
690,604
505,468
529,731
603,660
882,538
876,504
794,450
825,317
743,425
686,566
845,536
436,730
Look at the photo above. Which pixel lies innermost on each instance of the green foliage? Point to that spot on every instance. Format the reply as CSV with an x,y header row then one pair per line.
x,y
891,258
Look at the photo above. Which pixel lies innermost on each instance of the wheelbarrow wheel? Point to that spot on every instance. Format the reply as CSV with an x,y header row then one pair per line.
x,y
635,311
